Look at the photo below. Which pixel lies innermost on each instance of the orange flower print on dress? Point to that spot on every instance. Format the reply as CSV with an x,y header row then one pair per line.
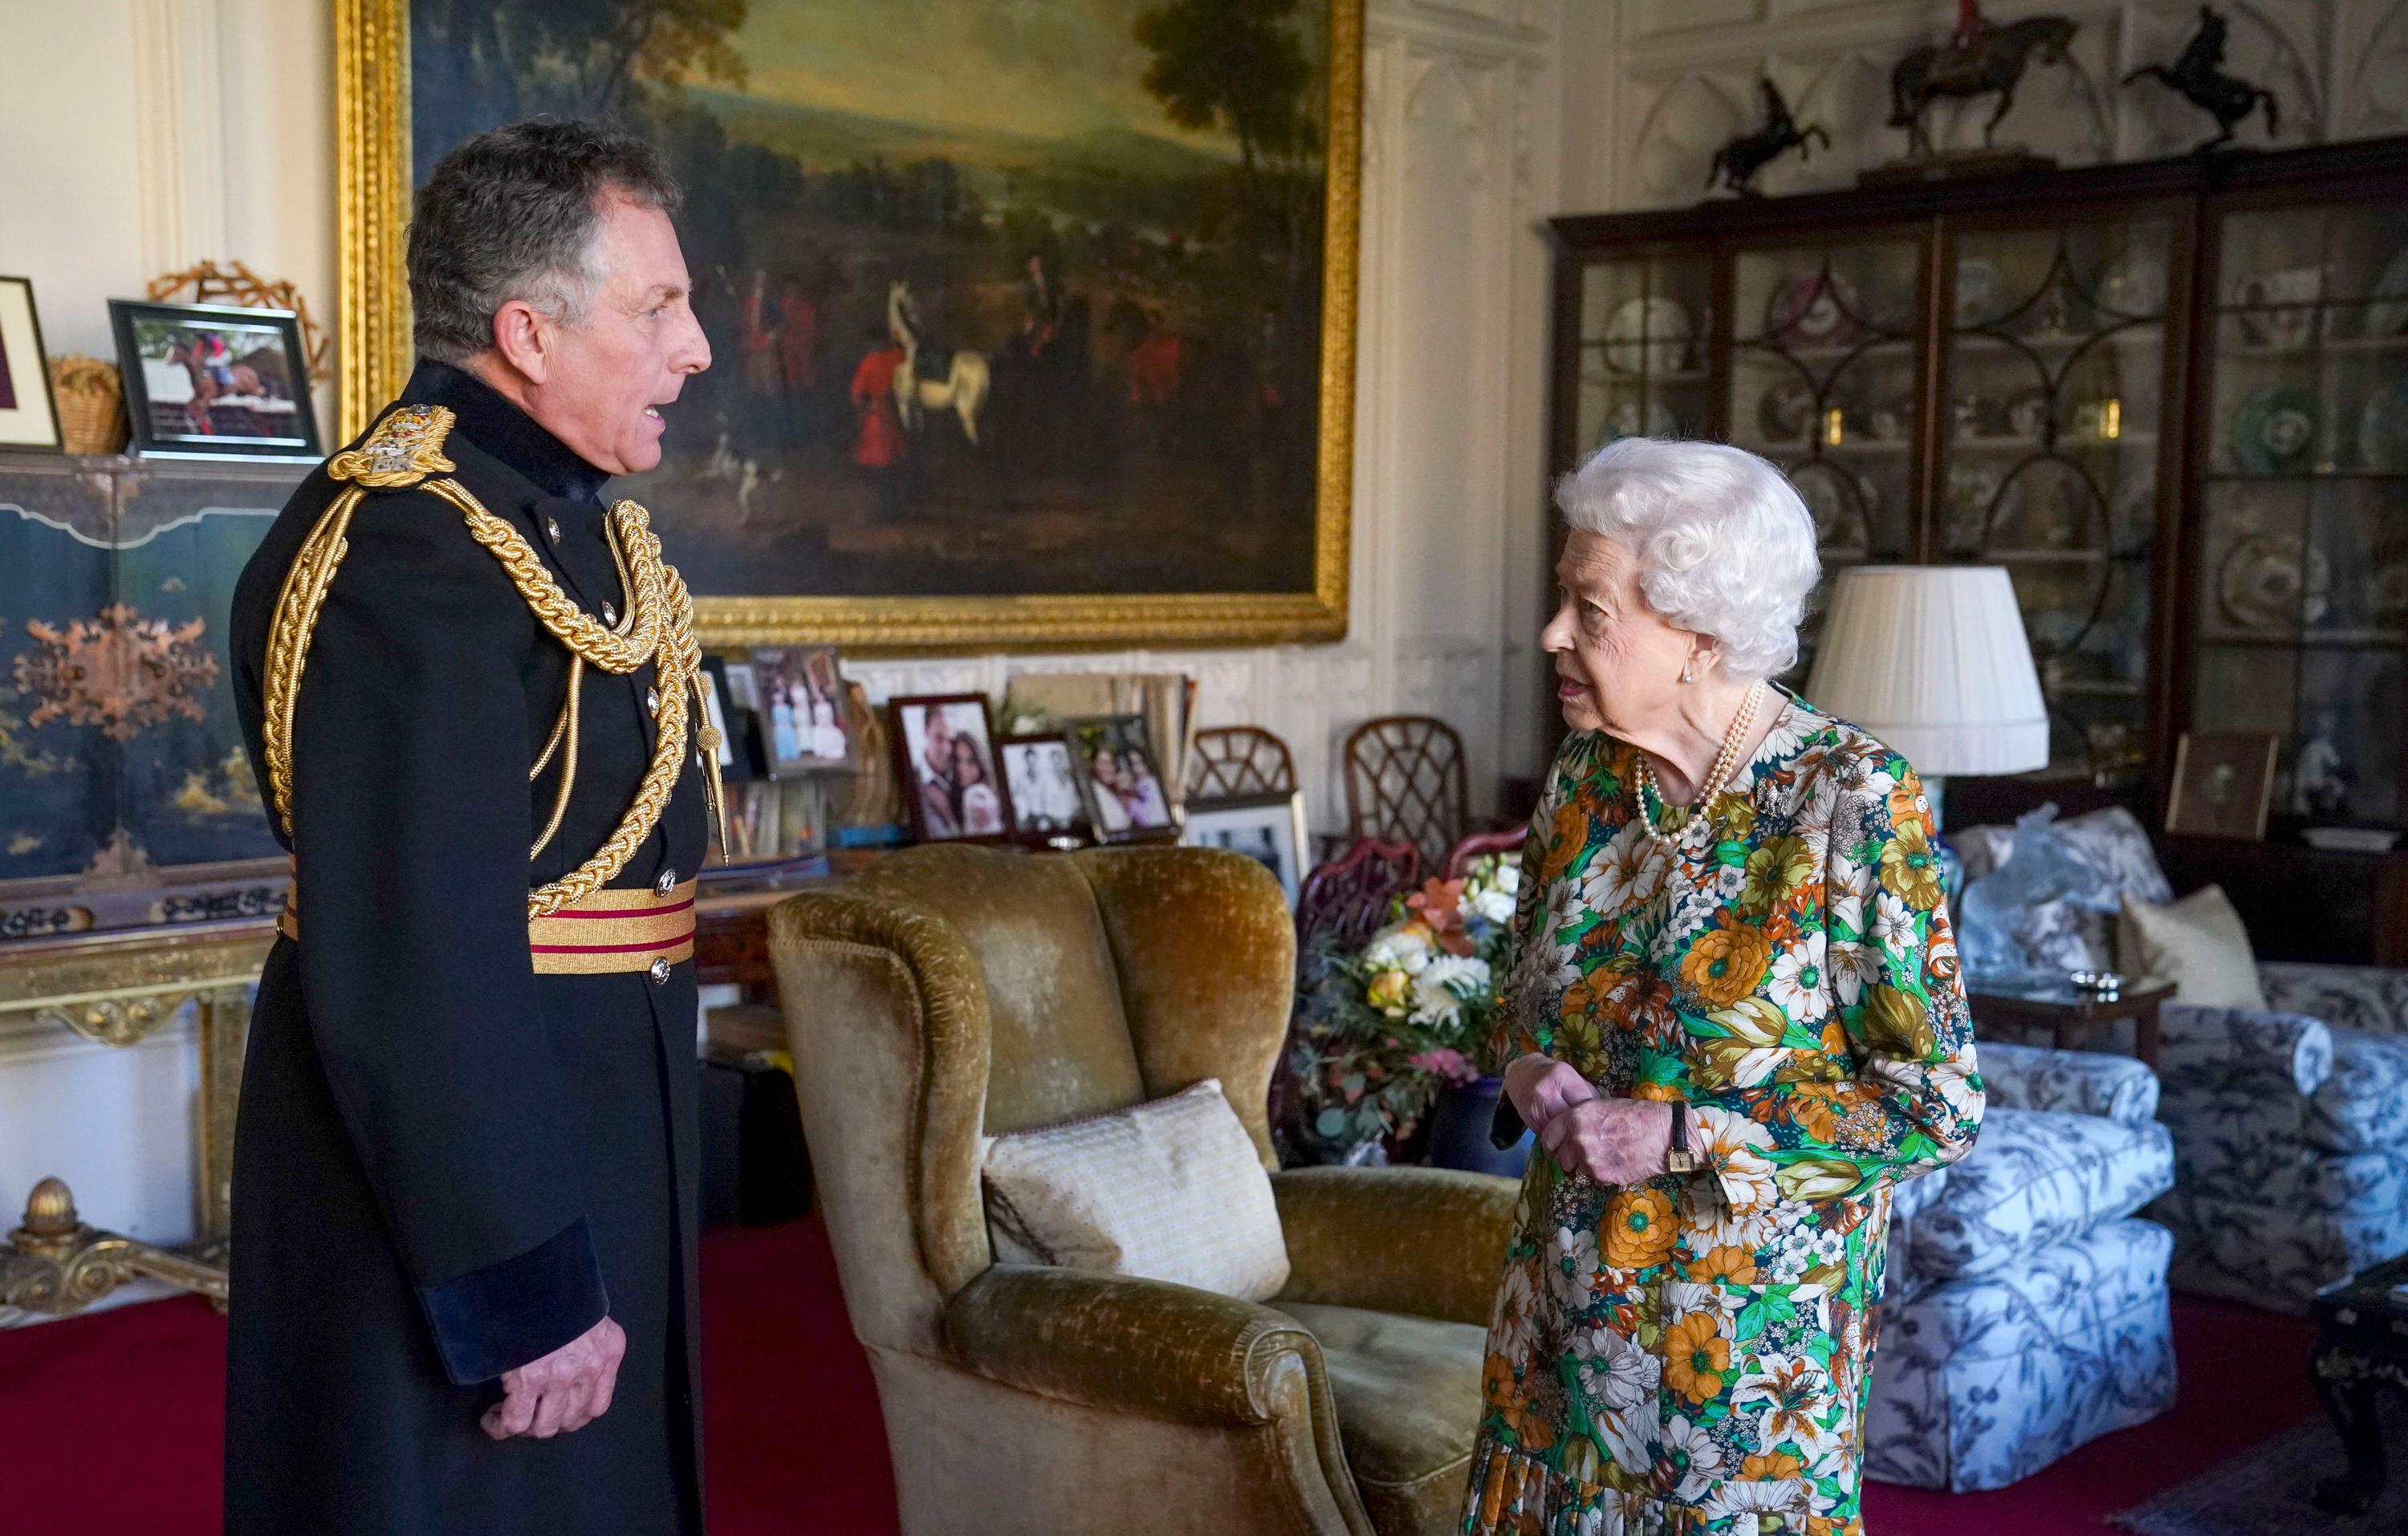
x,y
1697,1357
1773,1467
1727,962
1726,1265
1639,1229
1902,809
1910,868
1567,840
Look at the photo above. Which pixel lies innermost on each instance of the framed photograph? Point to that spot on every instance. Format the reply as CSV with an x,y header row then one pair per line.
x,y
29,414
969,270
1125,794
215,380
1266,828
741,755
944,757
1042,775
2224,783
802,708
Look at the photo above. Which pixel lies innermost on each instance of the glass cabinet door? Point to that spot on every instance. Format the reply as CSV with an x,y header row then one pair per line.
x,y
1644,322
2302,594
1823,383
2051,403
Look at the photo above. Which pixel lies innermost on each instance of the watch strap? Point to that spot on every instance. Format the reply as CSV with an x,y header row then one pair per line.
x,y
1680,1159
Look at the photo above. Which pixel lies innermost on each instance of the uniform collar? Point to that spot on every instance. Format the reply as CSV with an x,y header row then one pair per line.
x,y
486,419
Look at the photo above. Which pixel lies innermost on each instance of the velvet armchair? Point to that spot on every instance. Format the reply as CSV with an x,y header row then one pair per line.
x,y
954,992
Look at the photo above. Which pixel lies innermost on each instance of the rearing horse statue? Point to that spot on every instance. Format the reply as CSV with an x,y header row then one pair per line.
x,y
2200,78
1993,62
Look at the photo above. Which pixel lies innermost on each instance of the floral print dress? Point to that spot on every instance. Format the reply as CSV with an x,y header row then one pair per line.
x,y
1690,1353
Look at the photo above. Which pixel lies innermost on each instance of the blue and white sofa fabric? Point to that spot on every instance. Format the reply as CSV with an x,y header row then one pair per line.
x,y
2290,1122
2026,1311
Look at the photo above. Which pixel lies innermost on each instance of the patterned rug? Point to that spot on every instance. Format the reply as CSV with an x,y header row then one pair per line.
x,y
2265,1492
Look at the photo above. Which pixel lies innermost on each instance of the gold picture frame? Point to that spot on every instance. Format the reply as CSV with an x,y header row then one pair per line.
x,y
372,110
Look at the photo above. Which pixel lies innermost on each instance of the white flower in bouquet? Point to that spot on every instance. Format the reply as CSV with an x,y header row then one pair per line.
x,y
1405,947
1495,903
1442,988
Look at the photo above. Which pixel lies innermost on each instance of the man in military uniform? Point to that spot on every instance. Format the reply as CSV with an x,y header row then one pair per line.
x,y
463,1183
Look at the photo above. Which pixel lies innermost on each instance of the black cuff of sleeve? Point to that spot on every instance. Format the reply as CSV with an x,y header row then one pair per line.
x,y
502,1316
1506,1130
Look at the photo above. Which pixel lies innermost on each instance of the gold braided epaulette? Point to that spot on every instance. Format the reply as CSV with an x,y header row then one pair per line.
x,y
405,451
405,448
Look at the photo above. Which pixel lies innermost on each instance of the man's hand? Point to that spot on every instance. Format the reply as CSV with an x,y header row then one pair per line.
x,y
1541,1087
566,1389
1613,1141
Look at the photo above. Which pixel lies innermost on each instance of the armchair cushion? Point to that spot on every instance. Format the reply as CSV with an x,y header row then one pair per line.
x,y
2370,998
1429,1242
2198,943
2037,1178
2363,1106
1136,1347
2034,1077
1407,1391
1172,1190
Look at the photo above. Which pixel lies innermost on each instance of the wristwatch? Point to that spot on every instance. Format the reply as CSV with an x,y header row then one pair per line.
x,y
1680,1161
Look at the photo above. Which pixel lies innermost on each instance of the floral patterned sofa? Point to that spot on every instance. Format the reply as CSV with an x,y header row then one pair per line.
x,y
2025,1311
2290,1123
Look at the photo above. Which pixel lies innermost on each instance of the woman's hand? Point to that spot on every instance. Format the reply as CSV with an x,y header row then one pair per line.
x,y
1541,1088
1613,1141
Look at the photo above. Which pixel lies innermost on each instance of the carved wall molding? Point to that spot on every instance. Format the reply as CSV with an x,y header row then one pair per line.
x,y
1689,73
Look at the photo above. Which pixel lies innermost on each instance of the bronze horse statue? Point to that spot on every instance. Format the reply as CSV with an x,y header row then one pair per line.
x,y
1993,62
1736,163
2200,78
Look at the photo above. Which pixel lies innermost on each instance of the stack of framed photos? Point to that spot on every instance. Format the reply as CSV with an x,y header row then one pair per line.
x,y
1096,779
781,719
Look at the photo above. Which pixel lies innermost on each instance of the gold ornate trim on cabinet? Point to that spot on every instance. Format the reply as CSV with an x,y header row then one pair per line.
x,y
119,988
372,135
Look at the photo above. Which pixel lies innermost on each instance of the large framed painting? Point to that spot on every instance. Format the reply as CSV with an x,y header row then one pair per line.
x,y
1031,323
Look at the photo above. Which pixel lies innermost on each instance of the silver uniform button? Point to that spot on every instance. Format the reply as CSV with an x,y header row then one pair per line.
x,y
609,614
652,701
660,970
551,527
667,883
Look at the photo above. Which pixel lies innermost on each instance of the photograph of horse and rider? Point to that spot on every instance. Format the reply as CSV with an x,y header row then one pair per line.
x,y
215,379
1001,299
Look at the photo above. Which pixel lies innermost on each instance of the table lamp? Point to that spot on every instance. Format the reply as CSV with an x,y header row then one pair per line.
x,y
1934,662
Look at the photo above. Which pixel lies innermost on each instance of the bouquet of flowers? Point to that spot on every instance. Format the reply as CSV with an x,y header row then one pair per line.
x,y
1385,1028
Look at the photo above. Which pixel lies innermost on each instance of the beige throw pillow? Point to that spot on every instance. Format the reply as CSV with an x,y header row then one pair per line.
x,y
1172,1190
2198,943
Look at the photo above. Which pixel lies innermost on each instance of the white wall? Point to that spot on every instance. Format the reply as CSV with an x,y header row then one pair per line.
x,y
138,137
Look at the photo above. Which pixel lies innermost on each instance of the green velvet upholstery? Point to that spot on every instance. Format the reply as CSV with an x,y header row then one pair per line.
x,y
958,991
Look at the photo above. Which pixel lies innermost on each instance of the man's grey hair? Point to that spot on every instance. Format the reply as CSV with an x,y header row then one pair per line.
x,y
516,213
1725,544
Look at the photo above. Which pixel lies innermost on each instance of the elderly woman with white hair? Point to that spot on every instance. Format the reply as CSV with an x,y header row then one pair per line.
x,y
1733,1019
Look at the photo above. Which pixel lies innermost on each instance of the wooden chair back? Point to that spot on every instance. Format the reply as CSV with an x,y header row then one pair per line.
x,y
1479,846
1240,760
1405,782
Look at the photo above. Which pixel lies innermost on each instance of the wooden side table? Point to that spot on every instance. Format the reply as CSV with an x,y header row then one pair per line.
x,y
2361,1344
2068,1014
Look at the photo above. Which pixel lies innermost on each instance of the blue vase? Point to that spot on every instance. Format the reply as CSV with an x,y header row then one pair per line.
x,y
1458,1131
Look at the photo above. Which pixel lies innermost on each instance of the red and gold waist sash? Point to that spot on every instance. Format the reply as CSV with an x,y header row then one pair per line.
x,y
606,932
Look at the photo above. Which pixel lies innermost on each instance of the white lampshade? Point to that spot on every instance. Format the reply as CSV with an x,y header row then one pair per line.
x,y
1934,662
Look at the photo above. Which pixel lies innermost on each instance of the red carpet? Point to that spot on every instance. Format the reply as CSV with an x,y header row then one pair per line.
x,y
112,1422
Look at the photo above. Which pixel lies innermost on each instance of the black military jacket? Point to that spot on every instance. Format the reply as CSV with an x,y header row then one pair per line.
x,y
445,1164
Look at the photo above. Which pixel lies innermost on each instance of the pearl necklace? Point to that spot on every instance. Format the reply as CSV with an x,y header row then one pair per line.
x,y
1725,764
